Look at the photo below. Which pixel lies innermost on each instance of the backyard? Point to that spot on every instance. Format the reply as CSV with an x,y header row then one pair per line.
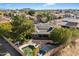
x,y
20,31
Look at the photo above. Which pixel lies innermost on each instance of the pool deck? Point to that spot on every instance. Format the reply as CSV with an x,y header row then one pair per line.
x,y
42,42
29,43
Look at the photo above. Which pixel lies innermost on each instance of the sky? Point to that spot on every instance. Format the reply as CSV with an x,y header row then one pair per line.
x,y
39,5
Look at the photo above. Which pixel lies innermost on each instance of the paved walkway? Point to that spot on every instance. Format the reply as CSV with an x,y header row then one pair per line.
x,y
9,48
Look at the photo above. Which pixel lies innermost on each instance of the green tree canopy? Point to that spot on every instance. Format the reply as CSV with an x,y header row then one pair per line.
x,y
44,17
75,32
5,28
61,35
31,12
21,27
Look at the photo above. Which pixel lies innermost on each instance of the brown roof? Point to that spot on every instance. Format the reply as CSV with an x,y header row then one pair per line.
x,y
4,19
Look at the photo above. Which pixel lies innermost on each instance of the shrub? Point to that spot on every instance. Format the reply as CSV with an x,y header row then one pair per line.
x,y
35,51
61,35
75,33
31,12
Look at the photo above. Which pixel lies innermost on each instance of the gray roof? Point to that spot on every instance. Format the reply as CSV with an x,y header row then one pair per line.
x,y
70,22
42,28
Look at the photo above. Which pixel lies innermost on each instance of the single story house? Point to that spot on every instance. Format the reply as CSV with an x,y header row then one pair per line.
x,y
42,30
70,23
32,18
4,19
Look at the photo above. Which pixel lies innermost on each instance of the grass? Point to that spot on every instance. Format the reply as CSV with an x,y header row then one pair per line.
x,y
28,50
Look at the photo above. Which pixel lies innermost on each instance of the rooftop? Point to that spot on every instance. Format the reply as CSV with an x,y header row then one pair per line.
x,y
4,19
42,28
70,22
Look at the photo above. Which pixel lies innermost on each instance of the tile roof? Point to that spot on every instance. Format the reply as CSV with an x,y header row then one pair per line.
x,y
42,28
4,19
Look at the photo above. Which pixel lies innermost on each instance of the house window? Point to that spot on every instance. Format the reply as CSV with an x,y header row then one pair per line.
x,y
40,35
45,35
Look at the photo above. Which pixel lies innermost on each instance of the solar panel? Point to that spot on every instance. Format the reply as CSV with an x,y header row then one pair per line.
x,y
72,24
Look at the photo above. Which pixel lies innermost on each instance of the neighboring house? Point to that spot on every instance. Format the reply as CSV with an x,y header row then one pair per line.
x,y
42,30
32,18
77,15
70,23
18,13
59,16
4,19
68,15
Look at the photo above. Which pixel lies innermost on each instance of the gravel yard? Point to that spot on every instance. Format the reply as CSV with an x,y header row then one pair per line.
x,y
70,50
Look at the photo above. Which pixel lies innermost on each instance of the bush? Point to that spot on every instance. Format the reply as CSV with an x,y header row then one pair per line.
x,y
6,26
35,51
28,36
21,26
75,33
5,29
31,12
61,35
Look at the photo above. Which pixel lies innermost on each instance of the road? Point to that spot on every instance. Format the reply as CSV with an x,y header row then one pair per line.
x,y
9,48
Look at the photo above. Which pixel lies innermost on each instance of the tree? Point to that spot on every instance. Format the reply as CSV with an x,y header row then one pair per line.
x,y
1,31
5,14
0,14
39,16
75,32
36,51
61,35
21,27
50,17
5,28
44,17
31,12
11,14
